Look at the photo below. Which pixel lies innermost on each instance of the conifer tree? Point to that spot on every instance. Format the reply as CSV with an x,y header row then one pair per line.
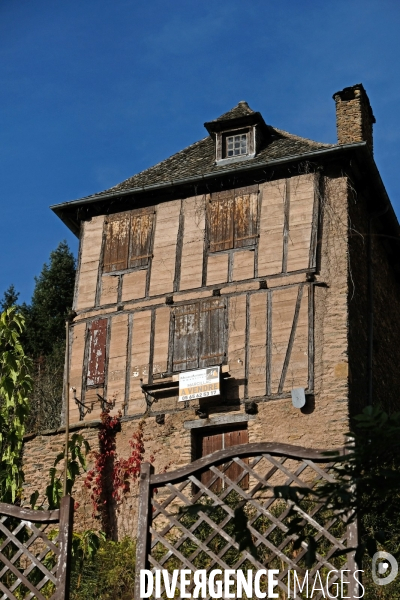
x,y
10,298
51,302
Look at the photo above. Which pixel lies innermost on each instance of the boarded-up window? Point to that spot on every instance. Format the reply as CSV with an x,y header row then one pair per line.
x,y
245,219
212,333
117,243
97,353
232,219
140,238
220,221
186,337
208,442
128,240
198,335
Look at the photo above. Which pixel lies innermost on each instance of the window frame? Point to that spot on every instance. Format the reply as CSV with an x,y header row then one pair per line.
x,y
231,152
230,134
131,261
221,156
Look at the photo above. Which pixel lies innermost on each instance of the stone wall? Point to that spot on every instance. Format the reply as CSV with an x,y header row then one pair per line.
x,y
39,454
386,307
331,316
354,117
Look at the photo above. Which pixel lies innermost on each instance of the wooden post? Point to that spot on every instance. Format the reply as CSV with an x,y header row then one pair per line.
x,y
65,541
144,520
66,396
352,539
352,542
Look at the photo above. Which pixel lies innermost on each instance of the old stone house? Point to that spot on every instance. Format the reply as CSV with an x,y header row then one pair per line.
x,y
266,259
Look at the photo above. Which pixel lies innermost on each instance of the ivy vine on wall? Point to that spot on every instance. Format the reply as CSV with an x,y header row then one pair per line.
x,y
111,477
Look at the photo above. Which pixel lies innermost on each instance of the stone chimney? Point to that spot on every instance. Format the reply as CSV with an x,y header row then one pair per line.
x,y
354,116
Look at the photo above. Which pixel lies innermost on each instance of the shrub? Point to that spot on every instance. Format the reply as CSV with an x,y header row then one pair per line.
x,y
109,576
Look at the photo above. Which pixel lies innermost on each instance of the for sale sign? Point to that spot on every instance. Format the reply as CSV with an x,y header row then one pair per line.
x,y
199,384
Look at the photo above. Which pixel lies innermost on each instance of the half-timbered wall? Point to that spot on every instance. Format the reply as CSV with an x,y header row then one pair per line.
x,y
283,329
212,279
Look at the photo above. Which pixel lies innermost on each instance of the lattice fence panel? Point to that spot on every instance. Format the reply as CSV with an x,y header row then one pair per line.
x,y
34,552
203,538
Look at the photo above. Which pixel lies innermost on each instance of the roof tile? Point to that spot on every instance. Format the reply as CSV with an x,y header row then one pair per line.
x,y
199,158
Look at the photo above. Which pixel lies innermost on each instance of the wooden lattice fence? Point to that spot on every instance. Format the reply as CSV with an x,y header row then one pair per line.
x,y
170,539
35,549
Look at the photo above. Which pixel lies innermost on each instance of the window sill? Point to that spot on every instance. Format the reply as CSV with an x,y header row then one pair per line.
x,y
234,159
124,271
160,386
250,248
218,421
224,371
171,380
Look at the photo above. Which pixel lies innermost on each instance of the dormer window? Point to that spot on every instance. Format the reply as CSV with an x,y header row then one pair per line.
x,y
237,135
236,145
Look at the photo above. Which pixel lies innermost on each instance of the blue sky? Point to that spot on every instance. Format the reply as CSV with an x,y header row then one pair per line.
x,y
92,92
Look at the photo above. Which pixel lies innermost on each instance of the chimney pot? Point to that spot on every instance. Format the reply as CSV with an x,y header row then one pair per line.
x,y
354,116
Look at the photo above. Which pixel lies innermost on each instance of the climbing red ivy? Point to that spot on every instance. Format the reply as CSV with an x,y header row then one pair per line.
x,y
98,478
111,477
128,469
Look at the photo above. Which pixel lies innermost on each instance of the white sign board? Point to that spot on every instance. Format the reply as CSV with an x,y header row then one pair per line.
x,y
202,383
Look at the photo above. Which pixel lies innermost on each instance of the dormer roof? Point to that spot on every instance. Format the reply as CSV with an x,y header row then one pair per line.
x,y
242,109
240,115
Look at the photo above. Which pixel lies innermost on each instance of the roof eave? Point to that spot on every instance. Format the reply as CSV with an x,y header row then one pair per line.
x,y
177,182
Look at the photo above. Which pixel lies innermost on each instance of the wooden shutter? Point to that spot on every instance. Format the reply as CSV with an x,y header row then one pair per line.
x,y
140,239
245,216
97,353
209,444
186,338
234,438
220,221
116,243
212,332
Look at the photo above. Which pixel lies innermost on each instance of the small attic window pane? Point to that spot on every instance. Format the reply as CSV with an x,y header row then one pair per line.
x,y
236,145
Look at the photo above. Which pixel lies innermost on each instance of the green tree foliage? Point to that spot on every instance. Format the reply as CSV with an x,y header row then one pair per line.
x,y
15,387
44,334
78,448
45,398
51,302
10,298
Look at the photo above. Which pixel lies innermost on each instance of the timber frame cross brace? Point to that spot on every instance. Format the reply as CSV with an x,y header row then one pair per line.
x,y
85,409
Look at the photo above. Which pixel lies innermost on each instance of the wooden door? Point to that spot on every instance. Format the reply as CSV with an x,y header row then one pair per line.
x,y
211,441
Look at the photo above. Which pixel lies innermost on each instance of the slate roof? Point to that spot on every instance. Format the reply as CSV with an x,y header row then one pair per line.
x,y
240,110
199,158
